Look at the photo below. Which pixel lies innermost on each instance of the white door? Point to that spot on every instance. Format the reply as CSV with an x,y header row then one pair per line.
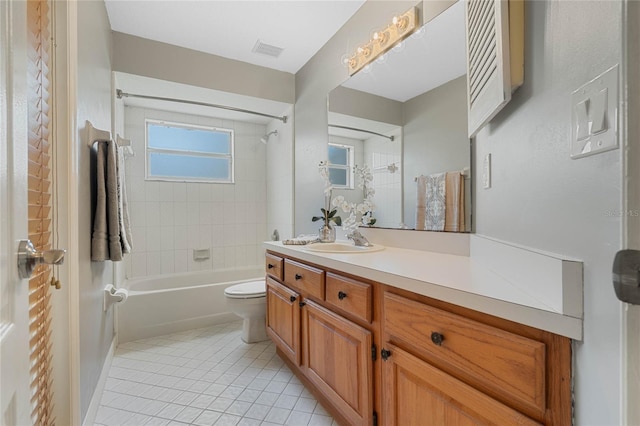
x,y
15,393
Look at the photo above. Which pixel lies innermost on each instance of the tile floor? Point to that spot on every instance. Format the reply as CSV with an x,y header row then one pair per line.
x,y
207,376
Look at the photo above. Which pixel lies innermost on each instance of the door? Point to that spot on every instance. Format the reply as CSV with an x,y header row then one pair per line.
x,y
14,335
283,319
337,359
417,393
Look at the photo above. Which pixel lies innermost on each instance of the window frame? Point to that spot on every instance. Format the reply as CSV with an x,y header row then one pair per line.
x,y
350,167
148,151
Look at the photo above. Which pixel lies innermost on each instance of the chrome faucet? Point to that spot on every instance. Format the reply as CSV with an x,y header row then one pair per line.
x,y
359,239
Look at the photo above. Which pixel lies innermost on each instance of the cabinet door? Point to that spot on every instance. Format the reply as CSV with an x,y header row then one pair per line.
x,y
417,393
337,359
283,319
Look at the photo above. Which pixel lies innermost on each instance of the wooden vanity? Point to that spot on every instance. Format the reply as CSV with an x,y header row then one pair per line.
x,y
376,354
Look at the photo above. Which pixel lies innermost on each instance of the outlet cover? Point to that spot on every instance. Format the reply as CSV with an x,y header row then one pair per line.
x,y
486,172
594,115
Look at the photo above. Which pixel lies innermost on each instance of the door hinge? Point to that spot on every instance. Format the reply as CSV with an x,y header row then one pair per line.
x,y
374,351
375,419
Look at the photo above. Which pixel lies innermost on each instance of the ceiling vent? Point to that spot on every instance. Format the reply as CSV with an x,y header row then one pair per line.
x,y
267,49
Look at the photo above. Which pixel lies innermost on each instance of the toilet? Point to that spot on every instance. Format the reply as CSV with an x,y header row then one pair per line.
x,y
249,301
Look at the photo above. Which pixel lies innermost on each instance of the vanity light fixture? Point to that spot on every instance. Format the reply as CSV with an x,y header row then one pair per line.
x,y
401,26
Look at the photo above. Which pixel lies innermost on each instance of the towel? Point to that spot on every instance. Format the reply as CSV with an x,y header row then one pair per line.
x,y
454,202
99,244
421,202
435,206
106,241
301,240
123,206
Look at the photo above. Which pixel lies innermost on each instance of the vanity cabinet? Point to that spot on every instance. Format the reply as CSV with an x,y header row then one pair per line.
x,y
372,352
283,319
337,359
331,351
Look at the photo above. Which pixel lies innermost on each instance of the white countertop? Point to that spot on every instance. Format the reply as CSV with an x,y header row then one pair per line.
x,y
471,282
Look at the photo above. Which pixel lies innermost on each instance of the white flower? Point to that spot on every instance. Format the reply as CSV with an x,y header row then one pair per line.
x,y
346,207
337,201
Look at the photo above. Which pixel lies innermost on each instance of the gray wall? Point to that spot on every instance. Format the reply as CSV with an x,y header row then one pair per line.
x,y
139,56
365,105
94,104
435,137
540,198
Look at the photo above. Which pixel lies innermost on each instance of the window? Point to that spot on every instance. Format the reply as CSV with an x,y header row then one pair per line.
x,y
341,166
185,152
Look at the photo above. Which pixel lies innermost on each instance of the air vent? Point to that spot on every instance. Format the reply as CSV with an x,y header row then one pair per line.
x,y
267,49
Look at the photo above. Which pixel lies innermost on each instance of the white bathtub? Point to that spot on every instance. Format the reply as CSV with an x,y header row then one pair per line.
x,y
171,303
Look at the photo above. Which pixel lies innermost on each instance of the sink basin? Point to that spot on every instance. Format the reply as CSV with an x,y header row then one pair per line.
x,y
342,248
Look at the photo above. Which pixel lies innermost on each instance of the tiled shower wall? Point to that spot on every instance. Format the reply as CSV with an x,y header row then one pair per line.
x,y
171,219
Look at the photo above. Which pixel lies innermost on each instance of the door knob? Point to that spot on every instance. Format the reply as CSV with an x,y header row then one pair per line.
x,y
29,258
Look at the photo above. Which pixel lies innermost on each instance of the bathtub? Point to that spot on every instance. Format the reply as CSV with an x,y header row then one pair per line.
x,y
166,304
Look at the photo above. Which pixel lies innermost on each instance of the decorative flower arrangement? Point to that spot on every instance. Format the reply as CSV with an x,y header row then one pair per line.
x,y
328,215
365,209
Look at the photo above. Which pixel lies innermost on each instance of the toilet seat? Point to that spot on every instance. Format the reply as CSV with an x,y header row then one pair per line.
x,y
248,290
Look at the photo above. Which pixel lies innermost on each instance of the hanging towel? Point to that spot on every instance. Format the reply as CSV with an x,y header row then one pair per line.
x,y
106,242
123,206
454,202
435,211
421,202
99,242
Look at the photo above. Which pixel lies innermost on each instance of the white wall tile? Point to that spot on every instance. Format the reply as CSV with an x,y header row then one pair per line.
x,y
170,219
154,239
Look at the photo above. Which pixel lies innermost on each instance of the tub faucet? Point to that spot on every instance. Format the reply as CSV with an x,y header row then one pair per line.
x,y
358,239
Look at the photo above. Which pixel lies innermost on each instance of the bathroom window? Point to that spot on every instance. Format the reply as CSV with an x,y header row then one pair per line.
x,y
185,152
341,165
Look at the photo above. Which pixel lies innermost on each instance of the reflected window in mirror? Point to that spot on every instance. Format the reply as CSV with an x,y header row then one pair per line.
x,y
341,166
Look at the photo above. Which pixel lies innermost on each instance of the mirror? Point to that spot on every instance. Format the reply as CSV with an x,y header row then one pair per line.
x,y
405,116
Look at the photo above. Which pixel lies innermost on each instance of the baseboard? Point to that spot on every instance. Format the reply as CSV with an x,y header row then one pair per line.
x,y
90,418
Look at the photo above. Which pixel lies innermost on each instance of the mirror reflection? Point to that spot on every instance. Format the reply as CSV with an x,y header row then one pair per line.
x,y
405,117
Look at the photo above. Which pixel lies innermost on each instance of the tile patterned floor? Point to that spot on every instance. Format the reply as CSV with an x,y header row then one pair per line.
x,y
204,377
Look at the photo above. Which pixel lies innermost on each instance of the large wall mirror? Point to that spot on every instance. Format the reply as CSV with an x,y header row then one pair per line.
x,y
405,117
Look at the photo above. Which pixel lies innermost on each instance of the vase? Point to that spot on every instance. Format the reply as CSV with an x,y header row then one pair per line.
x,y
327,234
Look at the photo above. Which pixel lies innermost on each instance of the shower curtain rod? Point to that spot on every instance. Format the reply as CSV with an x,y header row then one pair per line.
x,y
120,94
391,138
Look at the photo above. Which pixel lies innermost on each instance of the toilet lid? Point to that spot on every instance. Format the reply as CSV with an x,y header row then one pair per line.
x,y
247,290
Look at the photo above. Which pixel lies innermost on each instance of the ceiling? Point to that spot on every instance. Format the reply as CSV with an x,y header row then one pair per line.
x,y
231,29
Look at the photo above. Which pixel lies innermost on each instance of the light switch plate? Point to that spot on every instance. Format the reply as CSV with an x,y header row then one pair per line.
x,y
486,172
594,115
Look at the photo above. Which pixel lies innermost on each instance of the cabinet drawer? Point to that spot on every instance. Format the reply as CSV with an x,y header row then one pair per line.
x,y
274,266
349,295
493,360
305,278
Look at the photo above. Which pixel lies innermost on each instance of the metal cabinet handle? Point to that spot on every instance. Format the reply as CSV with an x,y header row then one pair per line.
x,y
298,277
342,295
292,298
385,353
270,266
301,304
437,338
29,258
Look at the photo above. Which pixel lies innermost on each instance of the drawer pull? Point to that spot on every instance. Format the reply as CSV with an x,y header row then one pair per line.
x,y
385,353
437,338
270,266
301,304
342,295
292,299
298,277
